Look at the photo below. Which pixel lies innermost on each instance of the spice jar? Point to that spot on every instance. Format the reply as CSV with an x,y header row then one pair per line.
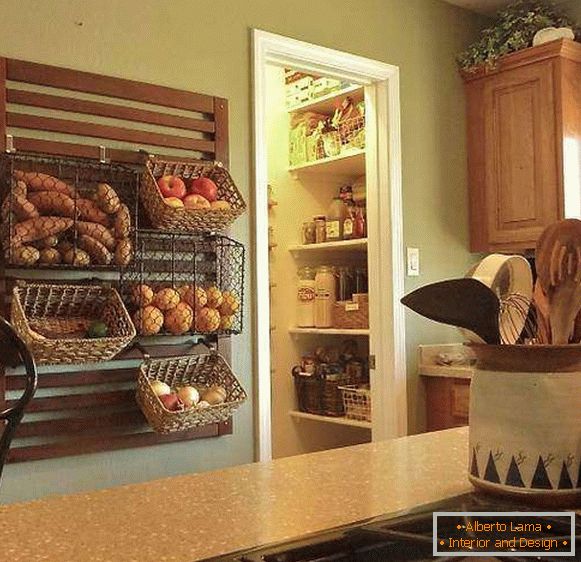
x,y
320,229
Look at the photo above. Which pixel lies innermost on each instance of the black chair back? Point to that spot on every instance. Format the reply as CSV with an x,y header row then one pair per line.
x,y
13,352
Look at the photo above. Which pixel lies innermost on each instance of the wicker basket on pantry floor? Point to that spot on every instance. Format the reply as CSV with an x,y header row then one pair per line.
x,y
200,371
352,315
164,217
357,402
53,319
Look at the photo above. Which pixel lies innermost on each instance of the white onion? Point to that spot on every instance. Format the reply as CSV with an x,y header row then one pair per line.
x,y
160,388
189,395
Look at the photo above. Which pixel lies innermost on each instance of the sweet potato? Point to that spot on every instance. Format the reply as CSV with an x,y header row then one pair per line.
x,y
98,232
76,256
122,222
19,188
23,208
41,227
90,212
97,251
48,242
123,252
107,198
53,203
37,181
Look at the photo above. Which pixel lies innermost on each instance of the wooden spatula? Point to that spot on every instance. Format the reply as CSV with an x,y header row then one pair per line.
x,y
558,259
465,303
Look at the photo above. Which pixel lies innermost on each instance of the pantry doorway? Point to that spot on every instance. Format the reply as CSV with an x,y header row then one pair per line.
x,y
327,155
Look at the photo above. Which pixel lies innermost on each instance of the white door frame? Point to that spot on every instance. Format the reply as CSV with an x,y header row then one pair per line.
x,y
384,218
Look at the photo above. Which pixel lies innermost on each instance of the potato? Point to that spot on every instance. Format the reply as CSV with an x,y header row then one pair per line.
x,y
97,251
123,252
41,227
48,242
107,199
50,256
98,232
25,255
53,203
122,223
37,181
76,257
90,212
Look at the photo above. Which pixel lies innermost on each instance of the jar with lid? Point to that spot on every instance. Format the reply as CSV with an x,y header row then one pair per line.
x,y
306,297
325,296
320,228
335,218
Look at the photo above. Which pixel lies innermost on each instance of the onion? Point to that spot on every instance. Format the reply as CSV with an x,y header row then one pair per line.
x,y
160,388
189,396
203,404
215,395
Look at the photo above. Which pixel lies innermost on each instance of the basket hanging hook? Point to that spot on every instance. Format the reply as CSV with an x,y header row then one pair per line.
x,y
10,144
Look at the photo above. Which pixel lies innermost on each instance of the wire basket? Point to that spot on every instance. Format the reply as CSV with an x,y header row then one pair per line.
x,y
53,321
352,132
357,402
185,284
165,217
320,394
199,371
67,213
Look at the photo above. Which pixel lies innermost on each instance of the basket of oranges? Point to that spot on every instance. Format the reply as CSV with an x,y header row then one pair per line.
x,y
182,284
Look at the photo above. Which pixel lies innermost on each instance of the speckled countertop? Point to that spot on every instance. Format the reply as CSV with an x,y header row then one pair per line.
x,y
191,517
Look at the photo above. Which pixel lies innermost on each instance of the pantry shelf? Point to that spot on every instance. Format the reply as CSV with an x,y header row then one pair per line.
x,y
341,245
327,104
330,419
330,331
349,163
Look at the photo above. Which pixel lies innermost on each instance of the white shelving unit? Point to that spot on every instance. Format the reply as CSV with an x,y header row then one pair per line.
x,y
348,163
330,419
327,103
329,331
357,244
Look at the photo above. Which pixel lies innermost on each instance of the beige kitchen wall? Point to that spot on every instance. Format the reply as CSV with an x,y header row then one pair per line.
x,y
204,45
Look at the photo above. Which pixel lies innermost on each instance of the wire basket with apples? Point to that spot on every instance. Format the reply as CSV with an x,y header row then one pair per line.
x,y
190,196
181,393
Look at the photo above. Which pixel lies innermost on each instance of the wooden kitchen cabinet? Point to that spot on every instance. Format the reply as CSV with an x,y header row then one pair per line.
x,y
447,401
524,145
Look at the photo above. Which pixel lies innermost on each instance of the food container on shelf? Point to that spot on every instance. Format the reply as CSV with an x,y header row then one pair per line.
x,y
319,393
200,371
525,422
352,314
165,217
53,321
357,402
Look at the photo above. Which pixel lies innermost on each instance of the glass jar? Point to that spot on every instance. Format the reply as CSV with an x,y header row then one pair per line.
x,y
324,296
320,229
308,232
306,298
344,283
335,218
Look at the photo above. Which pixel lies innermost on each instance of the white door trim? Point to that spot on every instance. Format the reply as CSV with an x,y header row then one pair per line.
x,y
385,225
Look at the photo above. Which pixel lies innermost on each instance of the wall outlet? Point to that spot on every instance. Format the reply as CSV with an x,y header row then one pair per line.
x,y
413,255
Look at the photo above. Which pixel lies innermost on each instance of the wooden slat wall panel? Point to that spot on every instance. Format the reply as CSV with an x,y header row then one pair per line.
x,y
41,74
98,420
95,130
49,101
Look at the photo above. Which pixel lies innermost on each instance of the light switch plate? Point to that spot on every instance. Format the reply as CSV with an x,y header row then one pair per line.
x,y
413,258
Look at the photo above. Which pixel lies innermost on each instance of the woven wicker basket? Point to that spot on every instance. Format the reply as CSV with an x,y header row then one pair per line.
x,y
320,394
42,313
357,402
352,315
200,371
164,217
352,132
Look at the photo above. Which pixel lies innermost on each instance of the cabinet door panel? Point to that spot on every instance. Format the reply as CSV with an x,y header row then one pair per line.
x,y
522,179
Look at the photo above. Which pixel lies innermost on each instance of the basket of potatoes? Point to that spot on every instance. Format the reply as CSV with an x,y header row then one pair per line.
x,y
184,309
74,219
181,393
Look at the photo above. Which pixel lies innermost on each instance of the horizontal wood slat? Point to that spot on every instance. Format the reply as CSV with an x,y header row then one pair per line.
x,y
110,423
18,382
49,101
81,446
95,130
67,79
79,401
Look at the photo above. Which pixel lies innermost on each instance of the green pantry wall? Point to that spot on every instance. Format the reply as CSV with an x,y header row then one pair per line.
x,y
204,46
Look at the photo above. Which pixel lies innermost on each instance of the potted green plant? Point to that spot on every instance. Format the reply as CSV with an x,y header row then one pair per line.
x,y
513,30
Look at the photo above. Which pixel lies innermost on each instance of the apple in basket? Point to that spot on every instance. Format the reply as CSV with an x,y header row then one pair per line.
x,y
172,186
204,187
196,201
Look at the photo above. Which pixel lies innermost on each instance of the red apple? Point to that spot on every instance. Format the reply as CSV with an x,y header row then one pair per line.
x,y
172,186
195,201
204,187
175,202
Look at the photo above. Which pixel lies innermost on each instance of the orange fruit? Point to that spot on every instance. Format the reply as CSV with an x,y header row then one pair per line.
x,y
148,320
196,297
226,322
207,320
230,304
178,320
166,299
214,297
182,290
142,295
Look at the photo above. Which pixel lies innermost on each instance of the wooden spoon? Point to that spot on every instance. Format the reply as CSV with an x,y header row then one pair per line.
x,y
558,258
465,303
541,303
